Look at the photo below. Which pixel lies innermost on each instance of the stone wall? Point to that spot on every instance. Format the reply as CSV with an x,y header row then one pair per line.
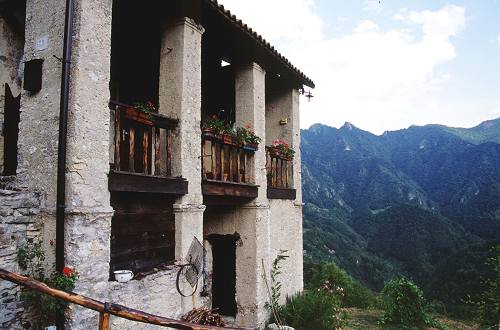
x,y
18,223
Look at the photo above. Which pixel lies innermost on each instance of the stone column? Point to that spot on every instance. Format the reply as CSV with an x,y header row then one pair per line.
x,y
88,210
253,219
286,228
180,97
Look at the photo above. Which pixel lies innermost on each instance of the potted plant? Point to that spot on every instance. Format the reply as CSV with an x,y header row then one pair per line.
x,y
247,136
212,127
228,136
281,149
141,112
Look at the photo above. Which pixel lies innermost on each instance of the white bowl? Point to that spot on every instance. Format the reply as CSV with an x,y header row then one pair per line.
x,y
123,276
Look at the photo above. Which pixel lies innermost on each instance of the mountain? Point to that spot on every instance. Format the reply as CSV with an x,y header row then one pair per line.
x,y
401,202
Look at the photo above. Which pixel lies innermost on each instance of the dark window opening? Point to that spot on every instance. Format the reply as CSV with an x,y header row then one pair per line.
x,y
224,273
135,51
10,131
142,231
217,80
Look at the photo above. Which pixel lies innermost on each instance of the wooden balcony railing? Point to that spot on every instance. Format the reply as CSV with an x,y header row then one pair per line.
x,y
279,171
224,160
225,173
142,159
143,142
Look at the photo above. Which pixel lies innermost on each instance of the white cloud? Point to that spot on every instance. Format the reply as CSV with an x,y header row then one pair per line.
x,y
375,79
498,39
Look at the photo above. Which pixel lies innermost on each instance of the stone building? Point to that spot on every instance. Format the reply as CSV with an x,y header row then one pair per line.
x,y
139,187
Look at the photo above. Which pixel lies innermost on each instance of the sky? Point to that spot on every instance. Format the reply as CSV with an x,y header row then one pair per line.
x,y
386,65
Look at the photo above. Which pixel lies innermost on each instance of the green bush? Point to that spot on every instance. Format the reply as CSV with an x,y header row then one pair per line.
x,y
487,304
354,294
31,260
313,310
403,304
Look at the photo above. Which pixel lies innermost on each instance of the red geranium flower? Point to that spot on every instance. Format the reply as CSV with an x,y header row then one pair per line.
x,y
67,271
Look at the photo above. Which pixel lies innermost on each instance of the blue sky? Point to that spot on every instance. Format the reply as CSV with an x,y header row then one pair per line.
x,y
389,64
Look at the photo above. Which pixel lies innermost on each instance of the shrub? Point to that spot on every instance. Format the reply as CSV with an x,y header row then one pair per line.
x,y
313,310
31,260
354,293
487,304
403,304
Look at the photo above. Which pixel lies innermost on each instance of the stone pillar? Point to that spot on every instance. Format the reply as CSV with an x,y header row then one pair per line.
x,y
250,104
180,98
286,228
88,210
253,220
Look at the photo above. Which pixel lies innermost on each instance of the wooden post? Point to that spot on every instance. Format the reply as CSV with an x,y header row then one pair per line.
x,y
118,137
103,321
169,152
157,150
286,174
131,153
145,150
203,154
230,160
238,166
222,160
212,158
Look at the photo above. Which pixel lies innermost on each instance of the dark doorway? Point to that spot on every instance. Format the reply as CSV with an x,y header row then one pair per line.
x,y
11,131
224,273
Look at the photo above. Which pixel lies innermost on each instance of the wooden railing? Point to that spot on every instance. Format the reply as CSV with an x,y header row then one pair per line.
x,y
104,309
279,170
224,161
142,142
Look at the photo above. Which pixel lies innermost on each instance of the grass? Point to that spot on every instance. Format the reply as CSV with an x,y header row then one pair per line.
x,y
364,319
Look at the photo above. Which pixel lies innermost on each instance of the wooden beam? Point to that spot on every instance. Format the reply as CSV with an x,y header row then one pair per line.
x,y
103,308
219,188
281,193
136,182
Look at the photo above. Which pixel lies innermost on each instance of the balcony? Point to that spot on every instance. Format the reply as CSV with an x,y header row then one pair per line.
x,y
143,153
279,175
225,175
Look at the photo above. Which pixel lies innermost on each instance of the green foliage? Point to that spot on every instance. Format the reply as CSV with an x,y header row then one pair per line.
x,y
217,125
460,276
351,292
403,304
30,258
146,107
247,134
487,303
275,283
313,310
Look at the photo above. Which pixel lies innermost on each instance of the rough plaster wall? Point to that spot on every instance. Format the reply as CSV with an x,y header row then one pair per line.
x,y
279,107
252,225
286,234
11,49
18,222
